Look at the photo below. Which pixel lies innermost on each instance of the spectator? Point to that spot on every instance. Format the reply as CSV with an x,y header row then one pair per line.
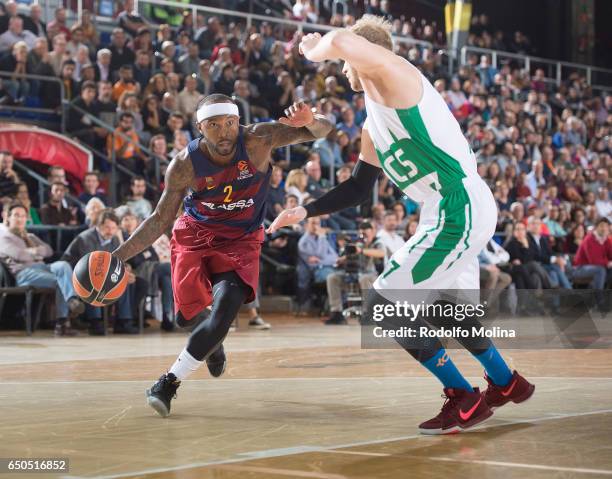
x,y
120,53
129,19
57,174
59,54
207,36
128,102
157,86
35,56
93,208
307,91
348,124
316,185
388,236
256,108
105,105
16,33
90,34
603,203
378,216
175,123
205,82
493,278
143,265
189,97
124,144
80,125
163,273
179,143
81,60
8,178
16,87
34,23
71,88
551,221
57,26
91,188
594,256
276,194
104,237
125,83
103,65
54,212
525,273
316,258
24,253
225,83
296,184
152,116
189,62
542,253
159,148
137,203
23,197
76,40
329,150
143,69
369,251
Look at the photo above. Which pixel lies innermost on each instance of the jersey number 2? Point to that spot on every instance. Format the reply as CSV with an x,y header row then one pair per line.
x,y
228,197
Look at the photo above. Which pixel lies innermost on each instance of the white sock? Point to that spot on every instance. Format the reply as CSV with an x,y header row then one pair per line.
x,y
184,365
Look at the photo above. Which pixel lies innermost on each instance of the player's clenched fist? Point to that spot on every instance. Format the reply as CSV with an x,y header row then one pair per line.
x,y
308,43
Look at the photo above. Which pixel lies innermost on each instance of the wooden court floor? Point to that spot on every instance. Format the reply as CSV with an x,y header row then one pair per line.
x,y
299,401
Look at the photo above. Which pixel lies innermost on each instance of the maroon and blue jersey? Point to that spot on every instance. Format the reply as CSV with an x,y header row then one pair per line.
x,y
229,200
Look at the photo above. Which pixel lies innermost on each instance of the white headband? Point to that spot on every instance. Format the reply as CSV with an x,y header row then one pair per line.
x,y
216,109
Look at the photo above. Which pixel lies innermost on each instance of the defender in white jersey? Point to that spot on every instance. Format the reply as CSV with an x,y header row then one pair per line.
x,y
412,136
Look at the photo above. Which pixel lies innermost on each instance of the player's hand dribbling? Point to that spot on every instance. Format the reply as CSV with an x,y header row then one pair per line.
x,y
287,217
297,115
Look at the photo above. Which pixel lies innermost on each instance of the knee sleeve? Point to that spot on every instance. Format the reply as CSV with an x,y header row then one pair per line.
x,y
229,293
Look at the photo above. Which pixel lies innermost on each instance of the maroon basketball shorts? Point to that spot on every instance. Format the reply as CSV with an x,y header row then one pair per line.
x,y
197,254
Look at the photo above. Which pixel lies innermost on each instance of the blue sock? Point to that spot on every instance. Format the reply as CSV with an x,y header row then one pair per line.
x,y
496,367
445,370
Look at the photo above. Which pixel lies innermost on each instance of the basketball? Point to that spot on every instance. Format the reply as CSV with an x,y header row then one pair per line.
x,y
99,278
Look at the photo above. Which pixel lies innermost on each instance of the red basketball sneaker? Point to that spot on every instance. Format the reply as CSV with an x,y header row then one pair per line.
x,y
517,390
461,410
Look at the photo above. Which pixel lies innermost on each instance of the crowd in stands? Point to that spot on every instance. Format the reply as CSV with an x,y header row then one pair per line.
x,y
544,150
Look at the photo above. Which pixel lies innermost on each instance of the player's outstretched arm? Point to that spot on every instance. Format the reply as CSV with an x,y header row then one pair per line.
x,y
362,54
299,125
178,176
351,192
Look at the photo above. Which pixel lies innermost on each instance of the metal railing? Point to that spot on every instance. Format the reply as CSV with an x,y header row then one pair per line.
x,y
41,78
43,184
251,17
59,231
112,160
553,69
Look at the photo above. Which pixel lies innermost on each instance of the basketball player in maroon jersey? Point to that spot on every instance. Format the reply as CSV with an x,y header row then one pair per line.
x,y
222,178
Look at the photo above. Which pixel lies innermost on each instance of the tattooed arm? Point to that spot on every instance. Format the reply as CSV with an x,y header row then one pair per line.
x,y
300,125
178,178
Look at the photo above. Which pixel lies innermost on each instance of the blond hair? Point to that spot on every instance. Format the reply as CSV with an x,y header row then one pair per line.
x,y
293,179
374,29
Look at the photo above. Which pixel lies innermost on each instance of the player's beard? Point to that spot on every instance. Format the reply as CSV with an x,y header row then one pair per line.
x,y
224,149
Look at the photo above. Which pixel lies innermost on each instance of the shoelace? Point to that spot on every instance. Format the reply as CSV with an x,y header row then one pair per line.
x,y
449,402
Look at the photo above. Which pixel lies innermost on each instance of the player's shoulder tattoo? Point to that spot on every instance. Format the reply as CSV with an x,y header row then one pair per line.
x,y
180,170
